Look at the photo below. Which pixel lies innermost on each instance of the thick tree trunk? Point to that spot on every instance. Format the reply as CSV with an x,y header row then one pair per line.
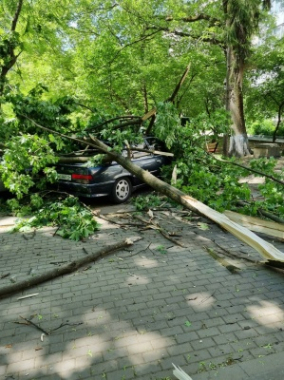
x,y
239,140
239,145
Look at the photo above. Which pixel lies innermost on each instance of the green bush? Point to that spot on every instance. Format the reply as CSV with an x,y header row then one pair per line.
x,y
265,128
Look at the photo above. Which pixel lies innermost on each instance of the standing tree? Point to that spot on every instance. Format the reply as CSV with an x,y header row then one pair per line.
x,y
229,24
242,19
10,48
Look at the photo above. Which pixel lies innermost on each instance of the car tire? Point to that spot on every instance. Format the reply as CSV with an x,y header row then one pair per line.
x,y
122,190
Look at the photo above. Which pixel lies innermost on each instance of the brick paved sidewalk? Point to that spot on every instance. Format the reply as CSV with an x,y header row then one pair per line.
x,y
134,313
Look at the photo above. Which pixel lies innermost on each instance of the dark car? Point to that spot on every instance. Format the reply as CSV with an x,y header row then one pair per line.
x,y
111,179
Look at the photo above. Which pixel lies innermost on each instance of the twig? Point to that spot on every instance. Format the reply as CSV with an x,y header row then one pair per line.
x,y
131,117
84,250
261,212
5,275
206,298
55,232
157,227
35,325
98,215
250,170
68,324
167,236
142,250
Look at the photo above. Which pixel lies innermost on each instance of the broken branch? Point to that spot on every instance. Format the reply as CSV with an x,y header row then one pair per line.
x,y
157,227
35,325
250,170
66,269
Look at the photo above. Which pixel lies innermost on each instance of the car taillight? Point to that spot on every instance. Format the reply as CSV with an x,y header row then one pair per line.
x,y
83,178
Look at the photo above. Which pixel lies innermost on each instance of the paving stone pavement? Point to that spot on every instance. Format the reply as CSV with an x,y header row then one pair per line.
x,y
134,313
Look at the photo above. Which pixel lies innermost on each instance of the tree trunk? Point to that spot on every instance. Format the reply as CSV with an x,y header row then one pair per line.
x,y
11,57
239,140
145,97
280,108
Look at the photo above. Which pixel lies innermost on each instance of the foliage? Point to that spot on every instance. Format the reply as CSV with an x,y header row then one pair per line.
x,y
264,128
147,202
217,183
167,123
25,161
271,191
217,122
267,85
73,221
213,182
210,182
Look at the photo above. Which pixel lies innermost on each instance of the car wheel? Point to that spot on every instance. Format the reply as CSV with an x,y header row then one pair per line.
x,y
122,190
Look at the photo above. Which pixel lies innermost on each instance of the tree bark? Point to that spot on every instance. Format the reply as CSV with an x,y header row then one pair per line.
x,y
12,57
280,109
69,268
238,141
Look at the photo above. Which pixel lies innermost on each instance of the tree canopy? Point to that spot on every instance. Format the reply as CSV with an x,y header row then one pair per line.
x,y
91,65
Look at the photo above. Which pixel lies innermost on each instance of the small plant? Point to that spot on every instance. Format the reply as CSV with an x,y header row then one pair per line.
x,y
187,323
212,365
268,346
202,367
161,249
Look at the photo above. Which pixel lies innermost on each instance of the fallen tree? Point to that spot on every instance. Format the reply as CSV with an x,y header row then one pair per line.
x,y
267,250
